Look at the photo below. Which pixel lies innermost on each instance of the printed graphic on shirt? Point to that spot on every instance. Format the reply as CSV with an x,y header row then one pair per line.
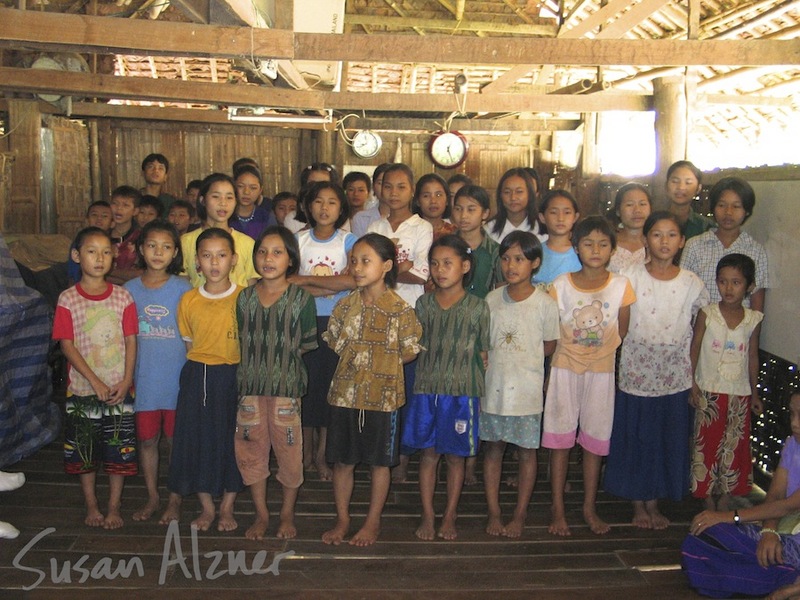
x,y
589,321
154,322
102,327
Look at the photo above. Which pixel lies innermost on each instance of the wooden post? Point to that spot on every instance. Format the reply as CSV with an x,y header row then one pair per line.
x,y
590,157
669,102
25,130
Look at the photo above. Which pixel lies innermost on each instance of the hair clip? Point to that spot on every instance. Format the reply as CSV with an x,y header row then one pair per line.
x,y
469,250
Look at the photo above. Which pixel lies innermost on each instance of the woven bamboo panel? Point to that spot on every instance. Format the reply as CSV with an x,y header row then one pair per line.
x,y
72,175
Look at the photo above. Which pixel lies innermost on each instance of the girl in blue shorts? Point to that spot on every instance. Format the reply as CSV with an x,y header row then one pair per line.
x,y
442,415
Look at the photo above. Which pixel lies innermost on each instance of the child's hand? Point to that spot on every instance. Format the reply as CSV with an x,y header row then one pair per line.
x,y
695,395
405,266
118,393
756,405
770,550
101,390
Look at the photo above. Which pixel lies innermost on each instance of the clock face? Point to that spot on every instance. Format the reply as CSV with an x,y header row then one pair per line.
x,y
366,143
448,149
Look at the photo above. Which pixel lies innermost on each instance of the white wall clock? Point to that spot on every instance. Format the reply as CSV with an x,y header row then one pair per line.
x,y
448,149
367,143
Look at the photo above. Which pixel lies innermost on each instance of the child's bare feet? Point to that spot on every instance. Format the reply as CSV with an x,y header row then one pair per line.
x,y
787,592
595,523
426,530
144,513
204,520
514,527
558,526
470,478
226,521
512,481
658,519
113,519
336,535
367,535
494,525
173,510
257,529
286,529
94,518
448,529
641,518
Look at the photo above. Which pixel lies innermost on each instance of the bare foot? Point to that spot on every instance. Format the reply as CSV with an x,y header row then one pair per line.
x,y
286,529
173,511
512,481
113,519
786,592
366,536
514,527
426,530
336,535
641,518
558,526
144,513
595,523
448,529
204,520
257,529
226,522
94,518
494,526
324,471
658,519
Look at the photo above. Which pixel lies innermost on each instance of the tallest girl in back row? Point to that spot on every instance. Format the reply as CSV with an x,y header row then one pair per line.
x,y
516,205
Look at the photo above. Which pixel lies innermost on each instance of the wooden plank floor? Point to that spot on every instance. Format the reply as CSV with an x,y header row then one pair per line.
x,y
627,563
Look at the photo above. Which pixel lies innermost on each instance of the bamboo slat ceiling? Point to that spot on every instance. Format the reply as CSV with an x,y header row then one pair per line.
x,y
738,100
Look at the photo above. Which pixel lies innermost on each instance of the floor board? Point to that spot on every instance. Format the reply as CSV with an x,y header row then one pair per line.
x,y
626,563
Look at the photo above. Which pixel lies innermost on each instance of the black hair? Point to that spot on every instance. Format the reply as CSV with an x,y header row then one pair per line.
x,y
154,202
499,220
183,204
660,215
459,178
624,189
194,184
176,266
100,203
461,248
86,232
386,250
537,180
289,241
594,223
528,242
551,194
310,193
127,191
357,176
401,168
214,233
155,157
686,165
249,170
244,162
281,196
318,166
477,193
431,178
738,186
379,170
742,263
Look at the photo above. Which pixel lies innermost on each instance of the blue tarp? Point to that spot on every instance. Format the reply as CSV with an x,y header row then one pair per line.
x,y
28,417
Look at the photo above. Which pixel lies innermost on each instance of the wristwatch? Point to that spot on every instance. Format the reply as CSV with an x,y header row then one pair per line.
x,y
736,518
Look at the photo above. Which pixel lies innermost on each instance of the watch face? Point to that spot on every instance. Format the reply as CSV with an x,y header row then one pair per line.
x,y
366,143
448,149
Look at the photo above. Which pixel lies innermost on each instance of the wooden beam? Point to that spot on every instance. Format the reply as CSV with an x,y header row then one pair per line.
x,y
402,13
460,9
597,19
80,33
474,125
164,90
451,25
750,100
507,79
630,19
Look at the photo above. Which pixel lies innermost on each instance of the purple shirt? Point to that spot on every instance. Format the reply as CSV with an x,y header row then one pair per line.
x,y
258,221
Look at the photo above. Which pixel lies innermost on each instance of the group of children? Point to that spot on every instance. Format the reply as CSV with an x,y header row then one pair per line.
x,y
428,331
